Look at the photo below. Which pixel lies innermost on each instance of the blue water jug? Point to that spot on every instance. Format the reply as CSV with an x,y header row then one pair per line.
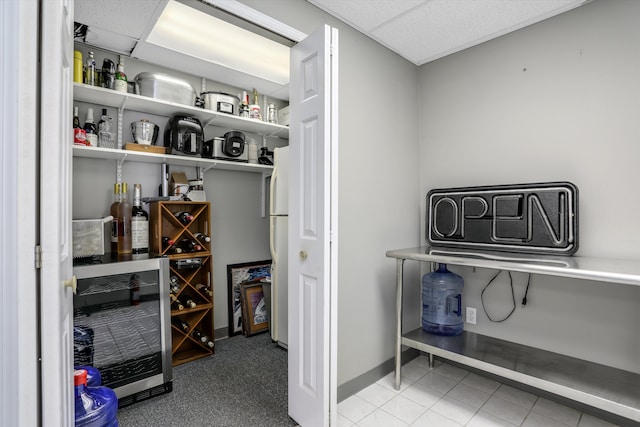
x,y
94,379
94,406
442,302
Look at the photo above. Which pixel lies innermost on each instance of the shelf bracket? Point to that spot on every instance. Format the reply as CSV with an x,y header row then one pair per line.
x,y
119,164
120,118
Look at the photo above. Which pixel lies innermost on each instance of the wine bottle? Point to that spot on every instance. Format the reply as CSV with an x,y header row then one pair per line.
x,y
203,238
204,289
91,75
139,224
175,250
189,245
114,213
121,78
209,343
184,217
124,222
190,303
174,285
166,243
177,305
200,336
76,119
79,134
91,129
180,324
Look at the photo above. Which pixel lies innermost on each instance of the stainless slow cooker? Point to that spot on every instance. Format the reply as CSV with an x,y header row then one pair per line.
x,y
221,102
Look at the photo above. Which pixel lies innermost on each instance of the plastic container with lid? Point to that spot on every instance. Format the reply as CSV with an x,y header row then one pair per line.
x,y
442,302
94,406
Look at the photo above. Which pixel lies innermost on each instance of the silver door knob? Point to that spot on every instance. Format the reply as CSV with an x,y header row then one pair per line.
x,y
303,255
72,283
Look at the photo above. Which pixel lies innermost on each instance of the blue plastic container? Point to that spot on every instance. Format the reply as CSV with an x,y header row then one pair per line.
x,y
94,406
442,302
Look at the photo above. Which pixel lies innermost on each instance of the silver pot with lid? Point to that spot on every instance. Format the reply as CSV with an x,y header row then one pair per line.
x,y
220,102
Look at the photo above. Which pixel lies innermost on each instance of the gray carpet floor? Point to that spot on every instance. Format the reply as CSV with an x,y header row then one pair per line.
x,y
243,384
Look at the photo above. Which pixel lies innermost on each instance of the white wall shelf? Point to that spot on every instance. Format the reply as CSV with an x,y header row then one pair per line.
x,y
138,156
128,101
607,389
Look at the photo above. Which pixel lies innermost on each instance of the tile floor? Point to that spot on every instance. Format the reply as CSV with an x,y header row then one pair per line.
x,y
448,396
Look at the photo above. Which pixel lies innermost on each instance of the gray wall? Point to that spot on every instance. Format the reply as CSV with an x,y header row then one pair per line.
x,y
378,184
555,101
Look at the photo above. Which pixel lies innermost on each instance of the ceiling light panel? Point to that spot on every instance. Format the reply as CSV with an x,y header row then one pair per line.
x,y
191,32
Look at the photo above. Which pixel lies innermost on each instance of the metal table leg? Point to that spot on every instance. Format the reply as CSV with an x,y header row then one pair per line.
x,y
399,267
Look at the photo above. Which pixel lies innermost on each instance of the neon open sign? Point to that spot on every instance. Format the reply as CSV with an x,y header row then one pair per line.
x,y
535,218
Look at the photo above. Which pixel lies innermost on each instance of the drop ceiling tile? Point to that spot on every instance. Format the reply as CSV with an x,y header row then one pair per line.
x,y
365,15
440,27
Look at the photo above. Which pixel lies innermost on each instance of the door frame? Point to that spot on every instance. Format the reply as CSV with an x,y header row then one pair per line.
x,y
19,402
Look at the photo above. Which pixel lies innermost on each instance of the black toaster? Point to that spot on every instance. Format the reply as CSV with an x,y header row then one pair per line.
x,y
184,135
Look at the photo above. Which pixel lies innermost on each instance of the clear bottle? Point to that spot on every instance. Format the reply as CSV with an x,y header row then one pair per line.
x,y
124,222
114,213
106,138
91,75
121,78
91,129
139,224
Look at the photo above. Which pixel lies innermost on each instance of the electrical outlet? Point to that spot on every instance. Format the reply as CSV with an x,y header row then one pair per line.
x,y
471,315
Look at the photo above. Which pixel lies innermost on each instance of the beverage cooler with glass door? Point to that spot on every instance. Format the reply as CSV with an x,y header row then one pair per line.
x,y
121,325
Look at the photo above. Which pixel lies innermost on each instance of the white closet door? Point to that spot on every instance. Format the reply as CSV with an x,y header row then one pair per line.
x,y
56,313
312,238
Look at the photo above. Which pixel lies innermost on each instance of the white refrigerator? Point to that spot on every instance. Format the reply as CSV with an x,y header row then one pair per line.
x,y
278,239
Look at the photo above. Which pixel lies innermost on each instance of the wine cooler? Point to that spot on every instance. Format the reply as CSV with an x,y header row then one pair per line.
x,y
122,327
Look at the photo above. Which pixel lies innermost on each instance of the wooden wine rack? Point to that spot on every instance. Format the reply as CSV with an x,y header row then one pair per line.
x,y
163,223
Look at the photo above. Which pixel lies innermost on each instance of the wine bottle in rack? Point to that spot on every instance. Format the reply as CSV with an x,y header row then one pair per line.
x,y
174,285
209,343
184,217
189,245
190,303
166,243
205,289
200,336
202,238
175,250
177,305
180,324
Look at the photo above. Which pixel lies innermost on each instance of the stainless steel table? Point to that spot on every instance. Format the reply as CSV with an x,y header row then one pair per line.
x,y
608,389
